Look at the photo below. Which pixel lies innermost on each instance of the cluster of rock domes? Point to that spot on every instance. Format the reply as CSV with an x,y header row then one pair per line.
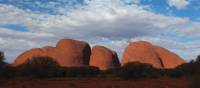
x,y
74,53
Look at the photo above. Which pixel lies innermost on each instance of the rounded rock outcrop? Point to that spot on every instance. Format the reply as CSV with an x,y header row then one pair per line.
x,y
75,52
28,55
168,58
68,53
103,58
145,52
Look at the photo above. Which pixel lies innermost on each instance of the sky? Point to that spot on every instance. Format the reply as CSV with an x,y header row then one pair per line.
x,y
172,24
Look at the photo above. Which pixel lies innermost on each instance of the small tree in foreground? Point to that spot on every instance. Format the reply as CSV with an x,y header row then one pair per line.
x,y
39,67
2,58
198,59
5,70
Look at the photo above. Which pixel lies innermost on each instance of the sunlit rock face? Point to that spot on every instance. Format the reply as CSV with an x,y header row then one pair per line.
x,y
168,58
68,53
104,58
145,52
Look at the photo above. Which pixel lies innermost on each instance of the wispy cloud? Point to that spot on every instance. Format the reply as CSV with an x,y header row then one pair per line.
x,y
179,4
112,23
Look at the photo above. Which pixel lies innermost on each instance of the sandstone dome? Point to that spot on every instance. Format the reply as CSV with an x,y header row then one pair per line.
x,y
27,55
68,53
169,59
104,58
145,52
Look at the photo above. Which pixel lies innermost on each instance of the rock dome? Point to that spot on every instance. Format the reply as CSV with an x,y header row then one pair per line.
x,y
145,52
104,58
68,53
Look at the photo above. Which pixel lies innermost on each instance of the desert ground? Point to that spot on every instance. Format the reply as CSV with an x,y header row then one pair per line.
x,y
162,82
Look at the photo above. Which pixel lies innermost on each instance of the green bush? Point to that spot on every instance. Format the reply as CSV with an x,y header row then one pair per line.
x,y
7,72
86,71
136,70
174,73
39,67
194,83
189,69
113,72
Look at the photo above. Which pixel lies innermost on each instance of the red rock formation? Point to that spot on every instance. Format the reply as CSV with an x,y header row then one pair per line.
x,y
27,55
145,52
67,53
103,58
169,59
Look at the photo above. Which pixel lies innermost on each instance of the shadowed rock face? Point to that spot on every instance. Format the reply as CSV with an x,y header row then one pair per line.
x,y
67,53
104,58
145,52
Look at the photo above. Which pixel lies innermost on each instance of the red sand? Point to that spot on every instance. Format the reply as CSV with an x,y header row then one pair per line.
x,y
96,83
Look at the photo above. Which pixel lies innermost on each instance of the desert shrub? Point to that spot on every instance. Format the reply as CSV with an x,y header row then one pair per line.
x,y
136,70
4,69
113,72
189,69
194,83
2,72
39,67
174,73
7,72
86,71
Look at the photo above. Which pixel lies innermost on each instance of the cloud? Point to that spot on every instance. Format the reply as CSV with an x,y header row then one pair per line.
x,y
132,1
112,23
179,4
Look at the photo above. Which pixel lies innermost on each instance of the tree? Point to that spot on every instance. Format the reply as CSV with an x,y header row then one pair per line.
x,y
1,56
136,70
198,59
39,67
5,69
